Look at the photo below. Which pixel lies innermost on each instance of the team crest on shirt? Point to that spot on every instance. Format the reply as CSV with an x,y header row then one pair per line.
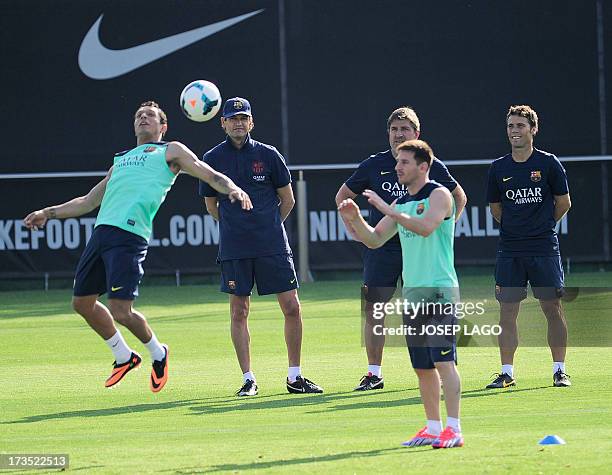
x,y
150,149
536,175
420,208
258,168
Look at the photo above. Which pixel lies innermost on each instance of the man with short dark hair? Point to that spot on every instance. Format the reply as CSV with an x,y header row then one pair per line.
x,y
253,247
528,193
424,220
383,267
129,197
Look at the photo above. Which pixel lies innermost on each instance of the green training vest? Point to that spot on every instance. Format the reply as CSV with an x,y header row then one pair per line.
x,y
428,262
138,186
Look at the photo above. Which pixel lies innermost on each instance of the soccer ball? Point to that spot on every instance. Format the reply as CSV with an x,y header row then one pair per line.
x,y
200,100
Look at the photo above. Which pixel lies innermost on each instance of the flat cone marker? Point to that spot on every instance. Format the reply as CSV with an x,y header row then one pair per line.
x,y
552,440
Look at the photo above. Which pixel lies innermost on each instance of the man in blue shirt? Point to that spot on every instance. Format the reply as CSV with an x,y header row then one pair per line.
x,y
253,246
382,267
528,193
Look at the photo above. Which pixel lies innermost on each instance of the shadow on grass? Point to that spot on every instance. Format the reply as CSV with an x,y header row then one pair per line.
x,y
284,400
211,405
297,461
225,404
378,404
110,411
24,310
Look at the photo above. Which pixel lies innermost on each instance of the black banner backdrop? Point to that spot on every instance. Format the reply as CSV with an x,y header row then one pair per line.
x,y
460,64
185,237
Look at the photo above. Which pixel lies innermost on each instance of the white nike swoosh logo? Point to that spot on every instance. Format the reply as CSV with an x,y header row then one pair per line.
x,y
384,173
98,62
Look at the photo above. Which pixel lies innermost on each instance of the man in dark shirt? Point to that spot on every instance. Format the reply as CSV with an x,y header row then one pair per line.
x,y
528,193
253,246
382,267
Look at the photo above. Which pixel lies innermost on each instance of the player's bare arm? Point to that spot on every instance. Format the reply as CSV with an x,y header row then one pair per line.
x,y
460,200
371,237
212,206
286,200
439,209
184,159
75,207
562,205
496,211
345,193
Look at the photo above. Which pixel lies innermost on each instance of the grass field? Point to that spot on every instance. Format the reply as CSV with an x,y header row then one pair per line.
x,y
53,401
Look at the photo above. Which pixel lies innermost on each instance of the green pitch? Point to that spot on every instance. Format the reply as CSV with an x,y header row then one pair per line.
x,y
53,401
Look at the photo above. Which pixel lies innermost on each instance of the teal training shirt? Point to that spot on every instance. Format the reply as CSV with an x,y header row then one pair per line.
x,y
428,262
138,186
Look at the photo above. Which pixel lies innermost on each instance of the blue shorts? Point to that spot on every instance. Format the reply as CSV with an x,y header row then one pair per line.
x,y
382,267
423,357
111,262
381,270
433,339
272,274
544,274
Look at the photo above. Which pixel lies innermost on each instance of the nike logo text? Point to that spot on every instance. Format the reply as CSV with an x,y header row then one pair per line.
x,y
444,353
506,179
114,289
384,173
98,62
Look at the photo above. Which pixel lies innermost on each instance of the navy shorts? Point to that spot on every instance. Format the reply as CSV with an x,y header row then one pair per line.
x,y
272,274
381,270
111,262
544,274
432,339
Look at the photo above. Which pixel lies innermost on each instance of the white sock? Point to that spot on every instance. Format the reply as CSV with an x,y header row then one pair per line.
x,y
376,370
119,347
293,373
454,424
155,349
434,427
559,365
508,369
248,375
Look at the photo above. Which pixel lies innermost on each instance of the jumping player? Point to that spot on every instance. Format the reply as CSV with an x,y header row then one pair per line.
x,y
129,197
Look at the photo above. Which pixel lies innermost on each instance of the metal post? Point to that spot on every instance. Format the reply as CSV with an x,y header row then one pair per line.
x,y
603,134
46,281
303,238
282,40
177,275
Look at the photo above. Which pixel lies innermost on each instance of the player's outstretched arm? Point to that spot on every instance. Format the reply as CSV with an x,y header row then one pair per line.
x,y
186,160
75,207
562,205
440,207
371,237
